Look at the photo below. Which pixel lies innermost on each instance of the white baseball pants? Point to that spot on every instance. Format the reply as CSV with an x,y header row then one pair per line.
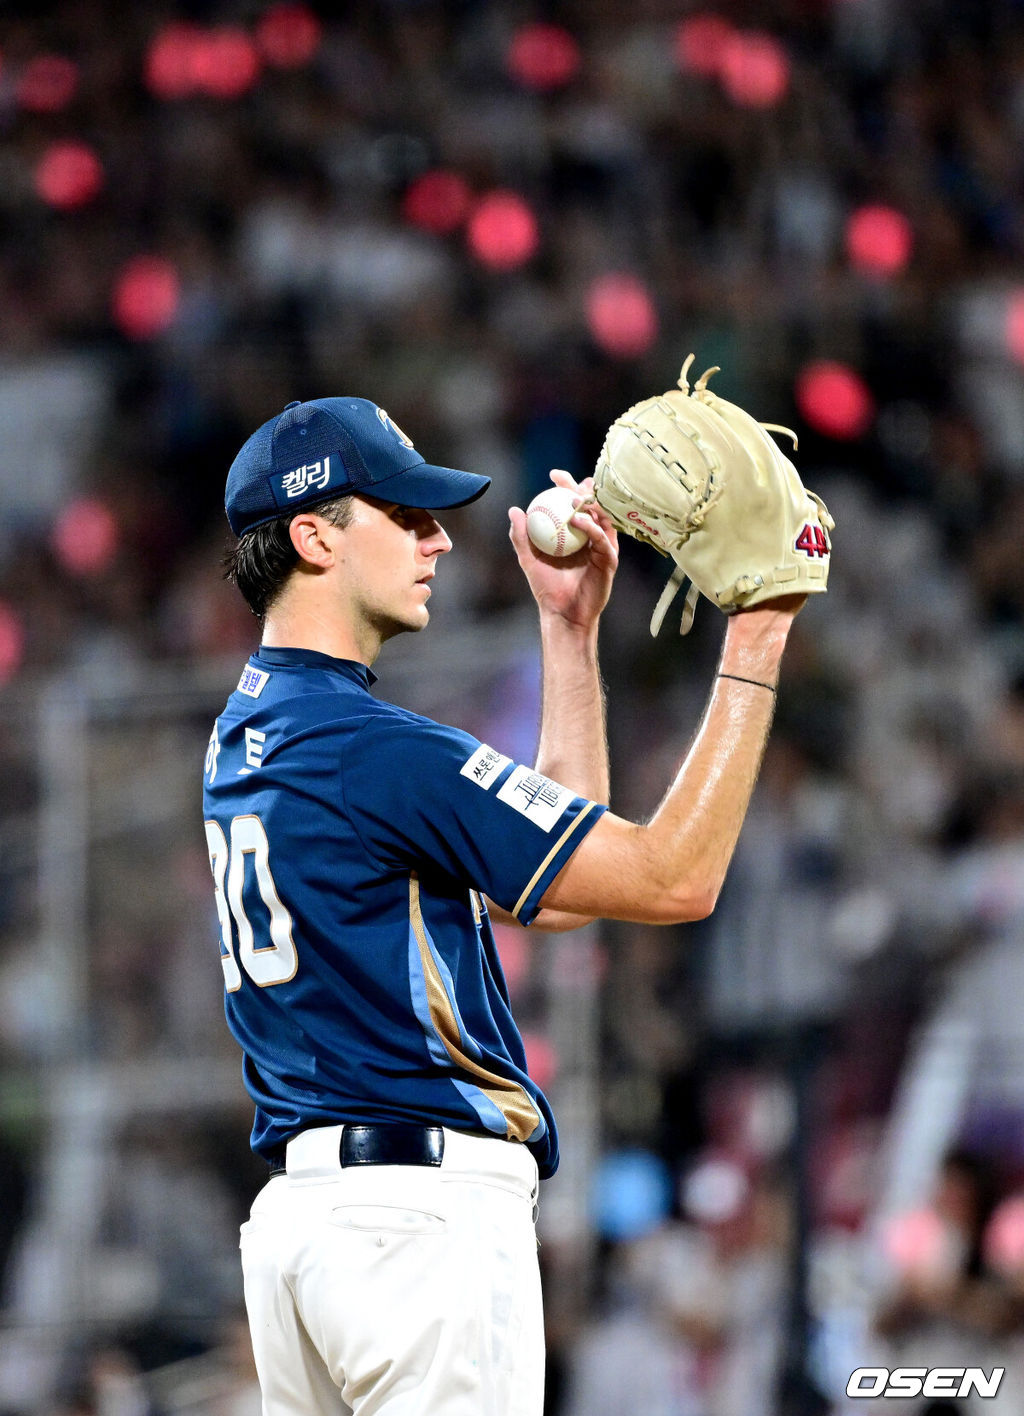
x,y
397,1290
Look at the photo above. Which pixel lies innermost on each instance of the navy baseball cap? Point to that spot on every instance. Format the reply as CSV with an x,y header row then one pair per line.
x,y
330,447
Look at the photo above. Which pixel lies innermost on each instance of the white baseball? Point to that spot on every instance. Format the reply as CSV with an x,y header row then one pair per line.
x,y
548,525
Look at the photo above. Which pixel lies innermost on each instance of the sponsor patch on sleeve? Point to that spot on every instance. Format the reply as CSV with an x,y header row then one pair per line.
x,y
253,681
484,766
535,796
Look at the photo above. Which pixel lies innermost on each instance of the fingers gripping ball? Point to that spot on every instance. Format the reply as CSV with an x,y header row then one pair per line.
x,y
700,480
549,525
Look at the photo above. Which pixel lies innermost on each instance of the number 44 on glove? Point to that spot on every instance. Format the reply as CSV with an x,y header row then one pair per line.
x,y
701,481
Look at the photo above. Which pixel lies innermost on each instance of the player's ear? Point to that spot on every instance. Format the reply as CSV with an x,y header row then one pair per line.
x,y
308,533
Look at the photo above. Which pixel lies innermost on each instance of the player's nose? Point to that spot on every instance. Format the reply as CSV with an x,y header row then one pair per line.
x,y
436,540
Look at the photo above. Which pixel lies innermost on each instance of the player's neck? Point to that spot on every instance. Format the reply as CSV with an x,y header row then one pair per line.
x,y
288,628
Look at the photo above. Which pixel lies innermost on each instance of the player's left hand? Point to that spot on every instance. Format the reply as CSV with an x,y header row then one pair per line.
x,y
575,587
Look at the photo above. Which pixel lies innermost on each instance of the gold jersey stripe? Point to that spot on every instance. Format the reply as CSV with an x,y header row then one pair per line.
x,y
550,856
521,1118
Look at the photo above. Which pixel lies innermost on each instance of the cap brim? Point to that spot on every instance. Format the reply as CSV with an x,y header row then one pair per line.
x,y
430,488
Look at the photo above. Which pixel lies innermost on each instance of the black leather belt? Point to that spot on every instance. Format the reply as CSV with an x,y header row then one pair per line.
x,y
394,1143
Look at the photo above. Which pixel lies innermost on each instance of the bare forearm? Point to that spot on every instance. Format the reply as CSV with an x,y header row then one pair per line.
x,y
692,836
573,746
672,868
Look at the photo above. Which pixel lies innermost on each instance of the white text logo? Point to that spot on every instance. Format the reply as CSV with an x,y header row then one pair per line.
x,y
254,741
314,476
484,765
924,1381
253,681
535,796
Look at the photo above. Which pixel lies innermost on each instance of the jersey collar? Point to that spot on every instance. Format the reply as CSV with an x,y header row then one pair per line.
x,y
313,659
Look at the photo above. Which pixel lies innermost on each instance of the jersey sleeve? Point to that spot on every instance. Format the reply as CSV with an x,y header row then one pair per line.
x,y
422,795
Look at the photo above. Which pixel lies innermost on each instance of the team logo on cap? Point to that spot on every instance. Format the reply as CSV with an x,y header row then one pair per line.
x,y
313,477
390,423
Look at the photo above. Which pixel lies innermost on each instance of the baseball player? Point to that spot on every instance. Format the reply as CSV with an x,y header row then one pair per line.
x,y
360,853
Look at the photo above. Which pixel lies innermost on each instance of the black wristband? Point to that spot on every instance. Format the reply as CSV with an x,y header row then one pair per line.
x,y
739,679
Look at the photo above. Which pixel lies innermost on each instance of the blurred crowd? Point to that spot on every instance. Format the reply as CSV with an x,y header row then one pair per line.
x,y
507,222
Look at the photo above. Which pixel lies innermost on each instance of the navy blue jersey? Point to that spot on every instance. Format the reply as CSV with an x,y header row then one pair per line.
x,y
351,843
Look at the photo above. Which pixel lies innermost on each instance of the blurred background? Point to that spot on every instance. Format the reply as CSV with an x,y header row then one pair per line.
x,y
793,1135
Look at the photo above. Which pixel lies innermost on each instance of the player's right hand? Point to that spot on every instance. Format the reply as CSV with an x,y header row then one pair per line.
x,y
575,588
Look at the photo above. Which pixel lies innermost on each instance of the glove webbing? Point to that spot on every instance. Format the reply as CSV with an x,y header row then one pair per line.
x,y
681,473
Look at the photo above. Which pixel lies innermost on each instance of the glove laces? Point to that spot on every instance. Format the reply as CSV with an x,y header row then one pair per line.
x,y
700,390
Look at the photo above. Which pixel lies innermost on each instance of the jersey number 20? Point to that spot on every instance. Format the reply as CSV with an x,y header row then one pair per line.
x,y
272,963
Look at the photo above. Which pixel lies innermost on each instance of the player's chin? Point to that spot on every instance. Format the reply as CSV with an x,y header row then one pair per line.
x,y
418,615
406,619
411,621
424,593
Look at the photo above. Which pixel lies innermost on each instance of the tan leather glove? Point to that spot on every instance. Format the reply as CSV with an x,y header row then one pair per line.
x,y
697,478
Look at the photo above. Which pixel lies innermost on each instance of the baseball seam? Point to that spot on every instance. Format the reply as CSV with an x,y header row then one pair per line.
x,y
558,525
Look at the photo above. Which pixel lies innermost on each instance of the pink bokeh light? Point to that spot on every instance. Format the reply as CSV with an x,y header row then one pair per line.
x,y
543,57
171,61
701,43
834,400
879,240
184,60
226,62
502,231
437,201
86,537
288,35
69,175
621,315
146,296
754,69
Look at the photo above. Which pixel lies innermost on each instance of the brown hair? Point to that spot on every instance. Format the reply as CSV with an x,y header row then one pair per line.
x,y
264,557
